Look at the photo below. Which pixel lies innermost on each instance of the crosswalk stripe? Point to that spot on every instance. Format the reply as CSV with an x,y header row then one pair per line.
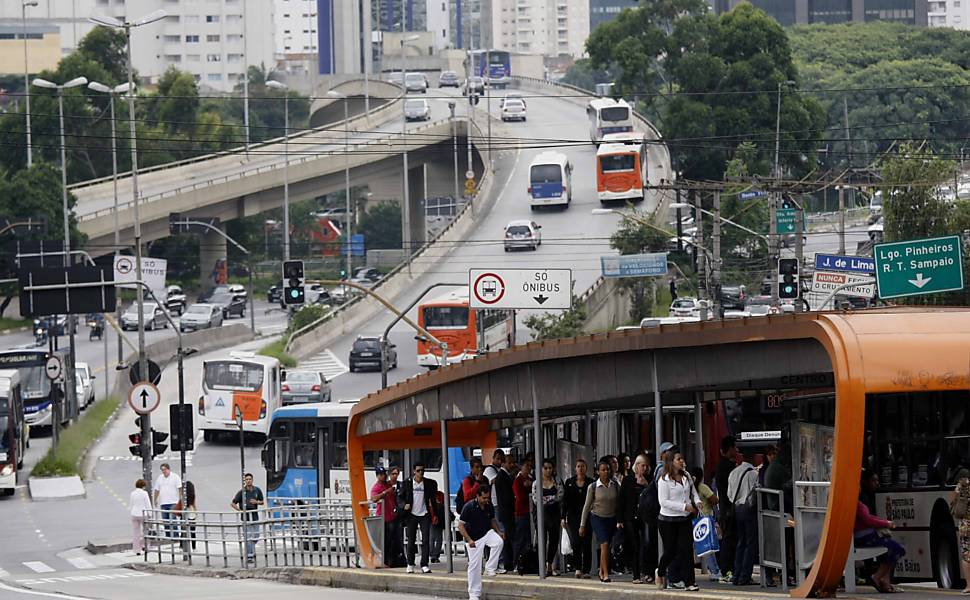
x,y
327,363
4,574
38,567
80,562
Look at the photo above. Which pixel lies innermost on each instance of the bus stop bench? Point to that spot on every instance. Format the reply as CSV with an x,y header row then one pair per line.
x,y
857,555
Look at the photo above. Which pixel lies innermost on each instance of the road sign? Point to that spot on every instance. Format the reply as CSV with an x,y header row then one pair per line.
x,y
751,195
152,272
826,282
469,174
916,267
154,373
634,265
836,262
520,288
53,368
785,219
469,187
144,397
70,290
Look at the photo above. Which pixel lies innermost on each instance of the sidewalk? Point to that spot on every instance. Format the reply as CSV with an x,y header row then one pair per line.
x,y
503,587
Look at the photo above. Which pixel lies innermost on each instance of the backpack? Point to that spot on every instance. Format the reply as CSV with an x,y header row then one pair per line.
x,y
751,501
648,504
459,500
528,563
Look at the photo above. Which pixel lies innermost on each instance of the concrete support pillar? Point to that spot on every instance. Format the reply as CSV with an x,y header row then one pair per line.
x,y
213,268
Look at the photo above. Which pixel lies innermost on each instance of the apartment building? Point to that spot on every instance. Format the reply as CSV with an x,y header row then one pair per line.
x,y
547,27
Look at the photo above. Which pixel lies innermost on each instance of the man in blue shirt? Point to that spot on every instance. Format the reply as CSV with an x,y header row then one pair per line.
x,y
479,528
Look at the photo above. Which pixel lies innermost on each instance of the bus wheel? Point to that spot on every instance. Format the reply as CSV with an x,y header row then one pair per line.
x,y
208,436
943,551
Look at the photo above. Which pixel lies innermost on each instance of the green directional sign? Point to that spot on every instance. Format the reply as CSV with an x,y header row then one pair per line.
x,y
785,220
917,267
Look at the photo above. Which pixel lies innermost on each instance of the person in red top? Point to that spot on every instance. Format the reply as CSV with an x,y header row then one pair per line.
x,y
470,484
522,490
869,533
384,495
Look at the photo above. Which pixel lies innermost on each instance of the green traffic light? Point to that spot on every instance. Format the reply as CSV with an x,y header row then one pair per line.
x,y
294,293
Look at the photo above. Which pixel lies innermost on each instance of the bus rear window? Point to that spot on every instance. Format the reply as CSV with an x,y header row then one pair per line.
x,y
613,163
226,375
445,316
546,174
615,113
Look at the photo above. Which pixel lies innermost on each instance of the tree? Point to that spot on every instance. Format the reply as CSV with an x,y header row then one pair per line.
x,y
913,207
552,326
635,237
36,192
381,226
584,75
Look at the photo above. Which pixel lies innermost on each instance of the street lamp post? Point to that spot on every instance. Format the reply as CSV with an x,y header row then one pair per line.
x,y
406,209
114,91
146,425
69,392
454,139
773,203
23,14
349,226
276,85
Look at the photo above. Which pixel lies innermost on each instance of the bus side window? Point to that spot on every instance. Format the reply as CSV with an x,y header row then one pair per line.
x,y
304,444
339,446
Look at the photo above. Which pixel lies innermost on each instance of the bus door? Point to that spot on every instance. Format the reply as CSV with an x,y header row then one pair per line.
x,y
323,460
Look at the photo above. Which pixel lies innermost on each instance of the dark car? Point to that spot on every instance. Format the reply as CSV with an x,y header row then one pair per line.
x,y
275,293
448,79
230,304
206,295
733,297
366,353
473,85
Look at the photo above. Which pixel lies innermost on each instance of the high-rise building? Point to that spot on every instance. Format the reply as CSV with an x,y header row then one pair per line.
x,y
547,27
601,11
212,40
433,16
792,12
949,13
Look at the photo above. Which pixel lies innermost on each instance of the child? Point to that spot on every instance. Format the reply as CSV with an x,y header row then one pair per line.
x,y
708,502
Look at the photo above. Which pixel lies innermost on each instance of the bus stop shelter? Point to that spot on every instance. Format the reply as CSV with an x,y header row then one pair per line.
x,y
873,351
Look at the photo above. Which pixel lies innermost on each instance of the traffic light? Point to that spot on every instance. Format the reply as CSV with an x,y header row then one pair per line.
x,y
294,280
180,419
788,287
135,448
473,99
157,446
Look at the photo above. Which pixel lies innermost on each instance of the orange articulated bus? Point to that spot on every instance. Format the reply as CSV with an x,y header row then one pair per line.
x,y
621,167
466,331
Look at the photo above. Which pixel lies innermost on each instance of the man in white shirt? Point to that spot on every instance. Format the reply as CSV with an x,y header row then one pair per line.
x,y
168,493
741,485
419,505
490,473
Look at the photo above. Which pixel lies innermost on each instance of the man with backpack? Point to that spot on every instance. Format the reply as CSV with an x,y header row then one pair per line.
x,y
648,509
729,539
741,490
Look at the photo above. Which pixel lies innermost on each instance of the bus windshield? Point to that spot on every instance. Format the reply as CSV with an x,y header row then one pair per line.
x,y
34,383
227,375
445,316
546,174
612,163
615,113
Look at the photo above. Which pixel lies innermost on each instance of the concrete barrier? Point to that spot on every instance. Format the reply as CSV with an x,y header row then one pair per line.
x,y
607,307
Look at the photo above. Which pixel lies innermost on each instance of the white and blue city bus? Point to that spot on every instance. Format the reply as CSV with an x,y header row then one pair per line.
x,y
498,73
306,454
35,387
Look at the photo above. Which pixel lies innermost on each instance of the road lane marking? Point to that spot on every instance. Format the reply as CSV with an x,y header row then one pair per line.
x,y
38,567
79,562
33,593
327,363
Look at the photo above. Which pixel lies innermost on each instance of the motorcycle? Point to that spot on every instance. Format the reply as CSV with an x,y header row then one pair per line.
x,y
96,324
40,331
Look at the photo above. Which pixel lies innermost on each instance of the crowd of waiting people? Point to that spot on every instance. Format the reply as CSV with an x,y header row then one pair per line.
x,y
626,515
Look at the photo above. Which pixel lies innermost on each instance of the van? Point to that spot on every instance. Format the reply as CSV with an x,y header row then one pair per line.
x,y
550,180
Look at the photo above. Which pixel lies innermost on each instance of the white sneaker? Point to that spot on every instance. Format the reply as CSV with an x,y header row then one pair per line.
x,y
489,573
410,569
501,571
425,570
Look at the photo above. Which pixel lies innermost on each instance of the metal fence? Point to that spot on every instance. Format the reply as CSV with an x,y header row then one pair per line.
x,y
811,504
288,532
772,543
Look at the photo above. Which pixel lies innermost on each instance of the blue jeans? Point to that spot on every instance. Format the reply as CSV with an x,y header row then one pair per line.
x,y
168,517
872,539
252,536
747,550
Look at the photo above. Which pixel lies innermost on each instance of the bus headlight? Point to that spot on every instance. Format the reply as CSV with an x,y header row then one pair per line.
x,y
7,470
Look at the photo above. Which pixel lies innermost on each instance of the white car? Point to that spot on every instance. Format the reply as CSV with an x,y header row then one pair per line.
x,y
685,307
84,385
201,316
513,110
417,109
512,96
522,234
416,82
238,290
154,317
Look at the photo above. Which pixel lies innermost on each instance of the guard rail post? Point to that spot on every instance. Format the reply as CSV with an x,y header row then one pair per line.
x,y
772,523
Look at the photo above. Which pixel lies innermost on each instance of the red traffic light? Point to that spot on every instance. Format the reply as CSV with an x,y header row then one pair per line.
x,y
135,438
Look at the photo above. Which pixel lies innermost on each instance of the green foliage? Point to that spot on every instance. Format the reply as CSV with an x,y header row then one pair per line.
x,y
37,192
912,207
584,75
634,236
308,314
552,326
275,350
75,440
381,226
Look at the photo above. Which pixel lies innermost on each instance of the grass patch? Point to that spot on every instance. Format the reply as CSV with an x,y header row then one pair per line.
x,y
276,351
74,441
662,307
6,323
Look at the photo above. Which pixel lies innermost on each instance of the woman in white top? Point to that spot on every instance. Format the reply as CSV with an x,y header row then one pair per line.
x,y
138,504
678,505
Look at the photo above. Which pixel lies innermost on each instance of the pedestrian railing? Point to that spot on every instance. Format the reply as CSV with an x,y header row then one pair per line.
x,y
288,532
772,524
811,504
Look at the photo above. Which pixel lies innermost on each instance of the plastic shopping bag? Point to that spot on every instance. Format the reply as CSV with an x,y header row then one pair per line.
x,y
565,546
705,536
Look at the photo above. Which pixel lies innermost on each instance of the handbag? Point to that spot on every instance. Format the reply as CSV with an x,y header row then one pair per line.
x,y
959,507
565,545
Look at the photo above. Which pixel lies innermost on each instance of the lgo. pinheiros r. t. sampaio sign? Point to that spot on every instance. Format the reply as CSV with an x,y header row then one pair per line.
x,y
520,288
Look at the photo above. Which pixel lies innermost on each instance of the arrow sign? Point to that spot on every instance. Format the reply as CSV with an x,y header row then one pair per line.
x,y
53,368
144,397
540,298
919,281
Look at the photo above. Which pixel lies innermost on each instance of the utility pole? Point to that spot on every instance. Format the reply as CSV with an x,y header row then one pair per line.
x,y
773,204
842,219
799,249
716,267
701,254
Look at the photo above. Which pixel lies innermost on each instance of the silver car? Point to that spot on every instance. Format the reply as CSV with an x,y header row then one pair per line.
x,y
201,316
84,385
417,110
304,386
416,82
154,317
